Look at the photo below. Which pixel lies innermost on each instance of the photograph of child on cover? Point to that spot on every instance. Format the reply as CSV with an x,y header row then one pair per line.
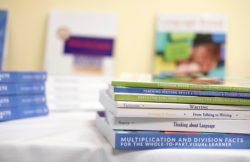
x,y
204,57
189,54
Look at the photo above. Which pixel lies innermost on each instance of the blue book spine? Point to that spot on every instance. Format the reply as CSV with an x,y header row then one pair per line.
x,y
128,140
23,112
13,77
181,92
22,88
12,101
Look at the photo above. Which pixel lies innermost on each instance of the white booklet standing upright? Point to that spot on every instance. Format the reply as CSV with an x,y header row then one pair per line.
x,y
79,55
80,42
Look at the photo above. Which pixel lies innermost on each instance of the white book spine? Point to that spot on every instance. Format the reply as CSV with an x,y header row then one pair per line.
x,y
173,113
190,125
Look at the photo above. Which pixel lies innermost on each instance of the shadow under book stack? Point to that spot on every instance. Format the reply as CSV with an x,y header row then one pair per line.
x,y
22,95
157,115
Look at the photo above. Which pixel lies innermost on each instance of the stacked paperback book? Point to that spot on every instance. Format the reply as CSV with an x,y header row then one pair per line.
x,y
22,95
193,114
74,92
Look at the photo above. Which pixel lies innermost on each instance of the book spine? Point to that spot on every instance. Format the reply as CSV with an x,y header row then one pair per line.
x,y
105,99
12,101
181,99
22,112
12,77
140,140
180,92
21,89
124,104
189,125
187,86
183,114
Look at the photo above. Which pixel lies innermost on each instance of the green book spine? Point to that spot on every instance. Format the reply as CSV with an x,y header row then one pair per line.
x,y
182,99
188,86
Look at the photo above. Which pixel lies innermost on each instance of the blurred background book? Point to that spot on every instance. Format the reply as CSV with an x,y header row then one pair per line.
x,y
80,42
191,44
3,35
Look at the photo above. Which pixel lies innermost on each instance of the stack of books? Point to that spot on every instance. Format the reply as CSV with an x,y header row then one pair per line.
x,y
192,114
22,95
74,92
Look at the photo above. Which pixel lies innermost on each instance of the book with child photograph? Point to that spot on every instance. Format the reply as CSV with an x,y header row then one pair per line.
x,y
190,44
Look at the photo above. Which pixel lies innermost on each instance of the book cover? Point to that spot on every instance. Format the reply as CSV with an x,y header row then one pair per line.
x,y
3,35
117,89
106,99
139,140
190,44
22,88
19,100
173,124
20,112
22,76
80,42
181,99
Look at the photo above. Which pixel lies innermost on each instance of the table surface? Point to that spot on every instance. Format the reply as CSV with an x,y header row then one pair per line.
x,y
72,136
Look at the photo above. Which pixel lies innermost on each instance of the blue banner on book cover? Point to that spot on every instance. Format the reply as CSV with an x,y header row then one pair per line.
x,y
179,140
77,45
3,28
